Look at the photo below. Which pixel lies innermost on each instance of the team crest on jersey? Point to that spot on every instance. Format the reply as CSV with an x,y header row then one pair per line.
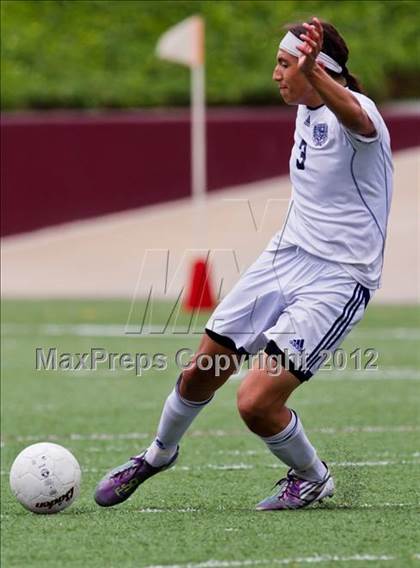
x,y
320,134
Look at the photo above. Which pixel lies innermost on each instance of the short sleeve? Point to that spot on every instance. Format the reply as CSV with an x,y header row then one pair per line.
x,y
370,108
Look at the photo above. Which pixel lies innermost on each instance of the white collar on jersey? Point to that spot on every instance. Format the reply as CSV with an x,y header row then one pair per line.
x,y
290,43
312,109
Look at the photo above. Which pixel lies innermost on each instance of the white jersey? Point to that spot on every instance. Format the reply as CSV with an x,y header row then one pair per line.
x,y
341,192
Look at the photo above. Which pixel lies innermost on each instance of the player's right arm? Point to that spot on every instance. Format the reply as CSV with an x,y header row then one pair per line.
x,y
336,97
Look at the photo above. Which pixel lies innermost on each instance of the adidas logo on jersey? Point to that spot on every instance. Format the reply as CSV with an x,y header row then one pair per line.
x,y
297,344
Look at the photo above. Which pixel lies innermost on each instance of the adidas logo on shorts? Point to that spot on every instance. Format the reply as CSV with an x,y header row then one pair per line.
x,y
297,344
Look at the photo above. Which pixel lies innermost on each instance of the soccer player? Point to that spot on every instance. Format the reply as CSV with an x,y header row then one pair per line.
x,y
308,288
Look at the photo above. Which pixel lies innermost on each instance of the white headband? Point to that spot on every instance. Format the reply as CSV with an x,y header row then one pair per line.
x,y
290,44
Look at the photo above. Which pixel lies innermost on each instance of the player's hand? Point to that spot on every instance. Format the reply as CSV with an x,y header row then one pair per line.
x,y
313,39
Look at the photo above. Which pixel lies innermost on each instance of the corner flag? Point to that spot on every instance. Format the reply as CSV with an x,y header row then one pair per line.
x,y
183,43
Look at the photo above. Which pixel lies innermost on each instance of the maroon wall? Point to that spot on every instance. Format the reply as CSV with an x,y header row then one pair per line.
x,y
58,167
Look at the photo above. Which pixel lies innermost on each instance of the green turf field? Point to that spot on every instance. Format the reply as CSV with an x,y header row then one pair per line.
x,y
366,424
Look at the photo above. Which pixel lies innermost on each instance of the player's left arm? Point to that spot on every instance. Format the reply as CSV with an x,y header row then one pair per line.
x,y
337,98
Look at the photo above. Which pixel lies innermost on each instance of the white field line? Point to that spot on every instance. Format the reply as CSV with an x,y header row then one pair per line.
x,y
263,452
380,463
366,429
389,373
173,331
381,505
84,438
336,506
102,436
316,559
244,466
154,510
101,330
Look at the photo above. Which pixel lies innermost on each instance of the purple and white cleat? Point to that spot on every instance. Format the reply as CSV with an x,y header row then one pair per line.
x,y
297,493
120,483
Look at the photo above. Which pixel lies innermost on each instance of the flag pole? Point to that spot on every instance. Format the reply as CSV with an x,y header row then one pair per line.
x,y
184,43
198,122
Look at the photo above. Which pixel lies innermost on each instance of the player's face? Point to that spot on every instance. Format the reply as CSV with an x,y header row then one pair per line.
x,y
294,87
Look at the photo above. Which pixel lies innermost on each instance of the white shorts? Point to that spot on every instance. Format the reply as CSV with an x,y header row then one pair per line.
x,y
291,304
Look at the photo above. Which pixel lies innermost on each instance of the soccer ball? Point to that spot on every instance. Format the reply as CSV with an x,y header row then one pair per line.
x,y
45,478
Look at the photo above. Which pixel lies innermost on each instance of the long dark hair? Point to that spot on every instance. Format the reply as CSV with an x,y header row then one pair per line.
x,y
334,46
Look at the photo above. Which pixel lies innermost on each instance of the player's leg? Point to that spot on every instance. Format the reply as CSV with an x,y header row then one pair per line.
x,y
193,391
213,363
262,400
326,303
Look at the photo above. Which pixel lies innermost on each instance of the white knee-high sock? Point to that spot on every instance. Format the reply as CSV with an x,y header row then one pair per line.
x,y
177,416
294,449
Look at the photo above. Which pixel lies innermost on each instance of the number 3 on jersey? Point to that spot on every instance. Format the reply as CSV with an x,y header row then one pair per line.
x,y
300,162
